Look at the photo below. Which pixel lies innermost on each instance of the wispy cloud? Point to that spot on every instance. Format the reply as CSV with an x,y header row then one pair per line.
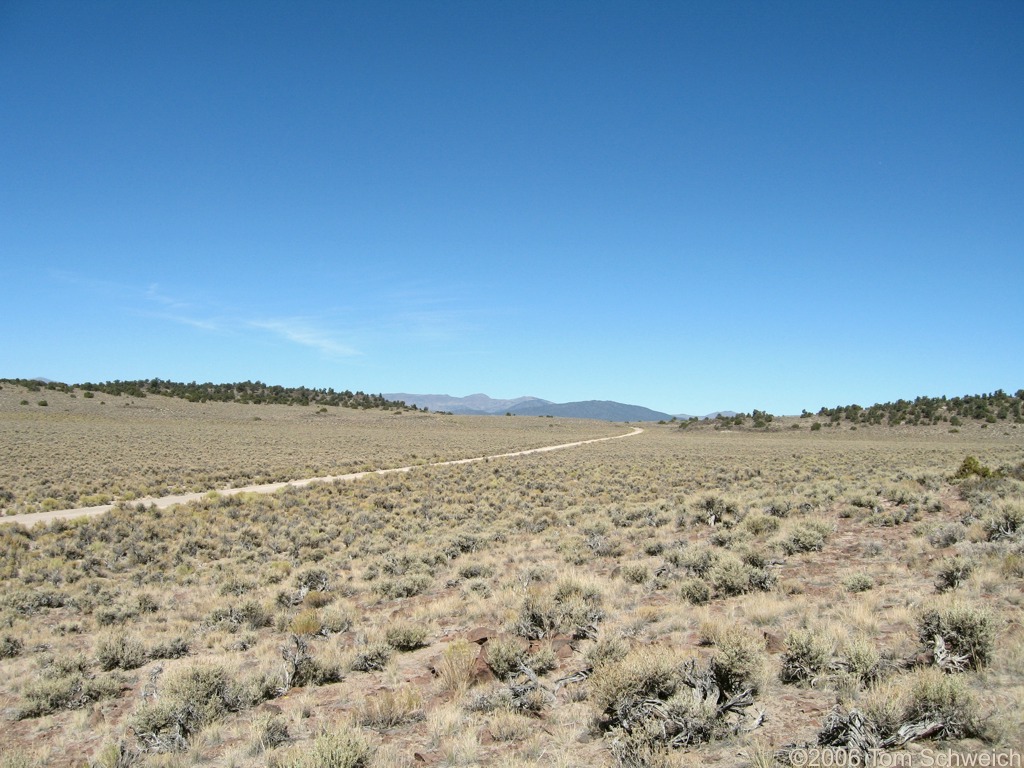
x,y
149,301
375,318
204,324
425,314
303,332
154,294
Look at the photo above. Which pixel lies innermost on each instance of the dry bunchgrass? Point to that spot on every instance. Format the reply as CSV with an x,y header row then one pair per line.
x,y
454,673
588,554
77,454
389,708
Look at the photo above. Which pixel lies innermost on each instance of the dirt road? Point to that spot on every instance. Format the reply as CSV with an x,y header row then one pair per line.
x,y
163,502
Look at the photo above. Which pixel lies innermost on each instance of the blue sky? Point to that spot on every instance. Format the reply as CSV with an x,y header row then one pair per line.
x,y
684,205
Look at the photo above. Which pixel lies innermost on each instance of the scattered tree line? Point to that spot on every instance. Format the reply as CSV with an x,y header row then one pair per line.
x,y
991,408
758,420
254,392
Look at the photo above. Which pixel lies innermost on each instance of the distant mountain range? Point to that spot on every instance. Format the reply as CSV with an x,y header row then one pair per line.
x,y
477,405
482,405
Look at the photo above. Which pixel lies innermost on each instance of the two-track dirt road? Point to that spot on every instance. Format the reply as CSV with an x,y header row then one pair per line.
x,y
163,502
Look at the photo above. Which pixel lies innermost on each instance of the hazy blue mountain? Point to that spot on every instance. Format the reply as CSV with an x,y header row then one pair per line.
x,y
605,410
477,404
480,404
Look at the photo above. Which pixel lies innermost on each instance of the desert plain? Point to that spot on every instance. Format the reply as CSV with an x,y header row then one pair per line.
x,y
714,594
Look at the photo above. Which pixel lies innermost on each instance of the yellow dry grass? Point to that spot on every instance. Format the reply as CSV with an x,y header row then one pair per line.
x,y
585,558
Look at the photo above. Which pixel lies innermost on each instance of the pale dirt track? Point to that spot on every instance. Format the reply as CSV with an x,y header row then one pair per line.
x,y
164,502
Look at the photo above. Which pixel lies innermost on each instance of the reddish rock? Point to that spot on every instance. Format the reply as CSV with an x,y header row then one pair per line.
x,y
480,635
563,648
924,659
773,642
482,670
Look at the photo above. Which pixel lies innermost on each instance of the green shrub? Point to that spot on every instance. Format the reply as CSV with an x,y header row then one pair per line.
x,y
946,535
542,660
806,536
373,656
714,509
504,655
645,673
695,591
607,649
337,619
573,607
250,614
739,662
26,602
388,709
889,518
699,560
925,697
476,571
120,651
405,586
655,698
204,687
174,648
268,731
935,697
108,615
733,577
863,659
146,603
10,646
858,582
46,695
760,524
635,573
313,580
406,636
1012,565
971,467
65,665
1006,521
965,630
317,599
806,656
952,572
191,699
302,668
342,747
